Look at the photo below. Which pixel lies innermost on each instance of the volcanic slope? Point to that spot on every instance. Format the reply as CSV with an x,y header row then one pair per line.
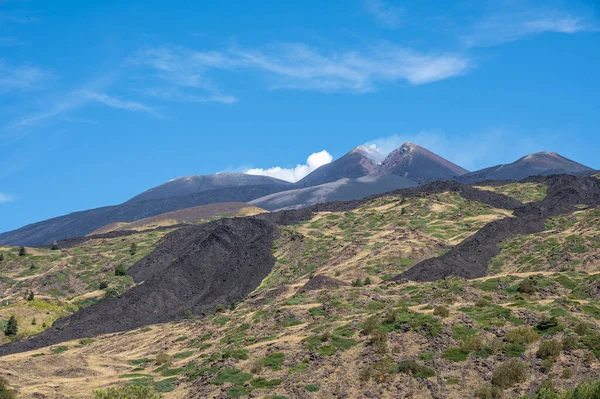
x,y
197,214
327,322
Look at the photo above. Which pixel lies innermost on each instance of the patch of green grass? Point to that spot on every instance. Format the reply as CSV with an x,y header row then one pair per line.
x,y
183,355
455,354
312,387
233,376
274,361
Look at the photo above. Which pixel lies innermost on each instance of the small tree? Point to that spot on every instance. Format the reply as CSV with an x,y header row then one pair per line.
x,y
1,257
33,321
22,251
133,248
103,285
12,327
31,296
368,281
54,246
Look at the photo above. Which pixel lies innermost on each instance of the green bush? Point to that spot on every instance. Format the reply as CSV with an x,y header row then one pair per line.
x,y
509,373
527,286
370,325
379,341
522,335
581,328
456,354
120,270
6,393
163,358
549,349
415,369
22,251
441,311
127,392
489,391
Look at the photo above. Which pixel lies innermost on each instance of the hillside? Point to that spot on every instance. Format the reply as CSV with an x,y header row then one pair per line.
x,y
195,214
328,319
81,223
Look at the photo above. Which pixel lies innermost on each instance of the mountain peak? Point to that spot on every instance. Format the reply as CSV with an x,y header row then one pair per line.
x,y
418,163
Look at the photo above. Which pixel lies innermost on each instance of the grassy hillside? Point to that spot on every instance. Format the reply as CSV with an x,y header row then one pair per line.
x,y
325,322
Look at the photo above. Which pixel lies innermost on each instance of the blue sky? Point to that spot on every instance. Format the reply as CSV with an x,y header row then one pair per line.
x,y
100,100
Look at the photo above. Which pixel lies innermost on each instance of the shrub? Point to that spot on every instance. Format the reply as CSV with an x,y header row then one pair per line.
x,y
549,349
163,358
256,367
527,286
12,327
482,303
367,281
488,391
365,374
415,369
120,270
133,248
370,325
31,296
379,340
570,341
22,251
581,328
103,285
441,311
1,257
549,325
54,246
357,283
219,308
127,392
522,335
509,373
472,343
6,393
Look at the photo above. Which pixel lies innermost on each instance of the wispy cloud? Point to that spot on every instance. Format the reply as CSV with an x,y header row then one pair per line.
x,y
22,77
300,66
313,162
6,198
115,102
66,104
384,14
507,27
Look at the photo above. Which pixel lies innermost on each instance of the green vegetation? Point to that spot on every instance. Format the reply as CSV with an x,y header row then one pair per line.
x,y
127,392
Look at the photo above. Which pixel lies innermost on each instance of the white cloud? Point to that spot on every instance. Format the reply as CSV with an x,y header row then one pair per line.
x,y
507,27
384,14
5,198
21,77
300,66
314,161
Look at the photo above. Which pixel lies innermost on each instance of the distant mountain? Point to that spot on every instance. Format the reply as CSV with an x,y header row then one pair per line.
x,y
341,190
198,183
188,215
79,224
359,162
419,164
541,163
